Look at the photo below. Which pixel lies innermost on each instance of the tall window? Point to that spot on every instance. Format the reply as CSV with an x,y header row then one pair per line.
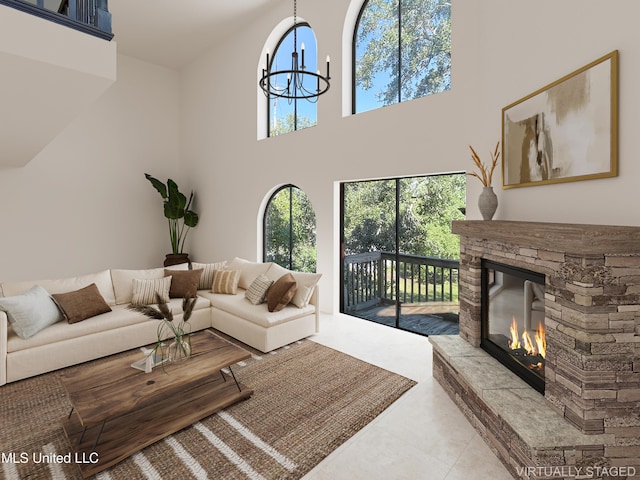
x,y
284,115
290,230
401,51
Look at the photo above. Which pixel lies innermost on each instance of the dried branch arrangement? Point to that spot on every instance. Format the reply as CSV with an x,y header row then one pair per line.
x,y
486,173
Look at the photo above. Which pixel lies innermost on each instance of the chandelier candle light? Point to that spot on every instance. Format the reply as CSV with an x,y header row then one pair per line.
x,y
300,82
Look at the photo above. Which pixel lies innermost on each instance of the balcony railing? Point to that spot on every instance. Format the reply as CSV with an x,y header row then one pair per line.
x,y
88,16
373,278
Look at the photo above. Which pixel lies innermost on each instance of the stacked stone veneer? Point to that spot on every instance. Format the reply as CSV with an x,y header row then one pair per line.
x,y
592,317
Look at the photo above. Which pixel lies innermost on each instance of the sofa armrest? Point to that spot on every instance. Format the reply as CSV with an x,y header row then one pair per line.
x,y
4,332
315,301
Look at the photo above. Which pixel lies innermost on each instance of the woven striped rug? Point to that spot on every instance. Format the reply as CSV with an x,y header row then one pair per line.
x,y
308,400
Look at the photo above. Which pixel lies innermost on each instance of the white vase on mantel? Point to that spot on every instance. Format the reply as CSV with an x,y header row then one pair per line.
x,y
487,203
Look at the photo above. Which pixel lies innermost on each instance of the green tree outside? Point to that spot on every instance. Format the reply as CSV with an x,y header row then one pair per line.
x,y
427,207
286,124
290,230
418,65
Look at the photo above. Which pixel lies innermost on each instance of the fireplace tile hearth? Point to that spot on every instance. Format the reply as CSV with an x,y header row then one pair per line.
x,y
510,398
512,418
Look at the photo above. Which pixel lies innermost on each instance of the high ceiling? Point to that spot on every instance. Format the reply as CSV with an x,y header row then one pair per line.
x,y
174,32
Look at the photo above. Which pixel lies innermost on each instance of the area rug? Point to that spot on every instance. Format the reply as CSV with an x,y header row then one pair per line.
x,y
308,400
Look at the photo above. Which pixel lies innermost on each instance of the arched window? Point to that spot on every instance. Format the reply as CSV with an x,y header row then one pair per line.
x,y
401,51
284,116
290,230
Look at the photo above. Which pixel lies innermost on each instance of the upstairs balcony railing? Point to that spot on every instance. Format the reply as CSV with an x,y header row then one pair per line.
x,y
375,278
88,16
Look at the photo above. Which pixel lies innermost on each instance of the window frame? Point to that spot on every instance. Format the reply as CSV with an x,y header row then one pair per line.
x,y
365,3
353,56
265,243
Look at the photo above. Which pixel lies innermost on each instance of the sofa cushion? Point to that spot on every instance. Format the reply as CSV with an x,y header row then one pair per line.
x,y
248,270
225,281
146,291
30,312
257,291
183,283
281,292
306,283
62,285
257,314
123,280
81,304
208,269
119,317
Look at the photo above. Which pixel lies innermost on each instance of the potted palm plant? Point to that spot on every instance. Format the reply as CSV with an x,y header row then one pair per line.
x,y
177,210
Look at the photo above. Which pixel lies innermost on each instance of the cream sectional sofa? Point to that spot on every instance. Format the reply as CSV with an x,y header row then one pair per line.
x,y
63,344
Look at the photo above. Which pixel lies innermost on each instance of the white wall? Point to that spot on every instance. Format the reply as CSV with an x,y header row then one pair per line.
x,y
83,204
502,51
526,48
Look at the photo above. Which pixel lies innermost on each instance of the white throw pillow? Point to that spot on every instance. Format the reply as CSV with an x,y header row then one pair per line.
x,y
248,270
257,291
123,280
145,291
208,269
30,312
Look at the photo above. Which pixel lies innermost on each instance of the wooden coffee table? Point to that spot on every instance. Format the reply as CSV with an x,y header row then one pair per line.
x,y
118,410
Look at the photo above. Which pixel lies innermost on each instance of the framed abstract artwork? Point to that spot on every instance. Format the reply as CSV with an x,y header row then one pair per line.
x,y
565,131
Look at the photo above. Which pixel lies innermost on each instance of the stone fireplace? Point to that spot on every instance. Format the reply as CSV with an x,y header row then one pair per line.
x,y
588,419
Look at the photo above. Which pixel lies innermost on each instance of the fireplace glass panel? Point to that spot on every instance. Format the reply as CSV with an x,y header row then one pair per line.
x,y
513,320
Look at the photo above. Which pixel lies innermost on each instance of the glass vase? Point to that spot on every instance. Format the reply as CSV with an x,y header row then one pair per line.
x,y
179,350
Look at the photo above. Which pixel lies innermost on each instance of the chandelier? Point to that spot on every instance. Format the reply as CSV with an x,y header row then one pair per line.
x,y
296,82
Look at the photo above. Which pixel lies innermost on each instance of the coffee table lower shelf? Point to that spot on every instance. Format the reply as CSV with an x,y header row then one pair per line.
x,y
157,418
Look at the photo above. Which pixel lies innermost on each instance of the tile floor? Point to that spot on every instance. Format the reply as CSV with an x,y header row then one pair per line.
x,y
422,435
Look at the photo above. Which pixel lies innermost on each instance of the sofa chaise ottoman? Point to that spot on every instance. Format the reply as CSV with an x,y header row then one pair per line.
x,y
253,323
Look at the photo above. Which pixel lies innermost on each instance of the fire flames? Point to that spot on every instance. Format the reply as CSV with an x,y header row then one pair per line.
x,y
535,346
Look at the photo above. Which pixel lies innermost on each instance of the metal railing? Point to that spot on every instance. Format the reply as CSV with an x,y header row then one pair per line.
x,y
373,278
88,16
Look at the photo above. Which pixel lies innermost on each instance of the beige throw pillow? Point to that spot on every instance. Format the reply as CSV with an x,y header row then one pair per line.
x,y
208,270
225,281
144,290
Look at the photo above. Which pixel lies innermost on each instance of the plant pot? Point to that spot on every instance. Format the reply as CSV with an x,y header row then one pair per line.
x,y
176,259
487,203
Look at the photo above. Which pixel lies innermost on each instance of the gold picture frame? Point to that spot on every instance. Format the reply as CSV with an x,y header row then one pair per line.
x,y
566,131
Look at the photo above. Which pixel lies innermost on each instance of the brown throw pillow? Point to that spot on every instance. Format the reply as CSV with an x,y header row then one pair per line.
x,y
281,293
184,283
81,304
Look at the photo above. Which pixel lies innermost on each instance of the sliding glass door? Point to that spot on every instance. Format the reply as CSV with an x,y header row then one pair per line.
x,y
400,260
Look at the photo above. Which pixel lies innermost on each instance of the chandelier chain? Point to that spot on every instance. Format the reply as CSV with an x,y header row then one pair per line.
x,y
295,25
